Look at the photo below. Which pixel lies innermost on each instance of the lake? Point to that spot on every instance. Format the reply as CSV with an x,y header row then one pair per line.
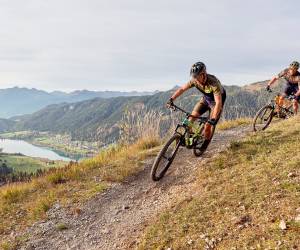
x,y
25,148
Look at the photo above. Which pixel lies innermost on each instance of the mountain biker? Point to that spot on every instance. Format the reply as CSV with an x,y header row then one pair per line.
x,y
214,96
292,76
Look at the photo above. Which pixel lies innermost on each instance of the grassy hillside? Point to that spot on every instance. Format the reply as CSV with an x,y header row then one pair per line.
x,y
21,204
241,182
243,199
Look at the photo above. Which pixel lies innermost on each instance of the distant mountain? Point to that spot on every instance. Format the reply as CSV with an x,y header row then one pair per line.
x,y
97,119
262,85
6,125
19,101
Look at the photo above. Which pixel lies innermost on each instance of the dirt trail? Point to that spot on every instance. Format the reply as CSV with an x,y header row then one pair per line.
x,y
115,219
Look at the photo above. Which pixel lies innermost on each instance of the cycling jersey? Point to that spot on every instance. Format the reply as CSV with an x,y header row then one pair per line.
x,y
291,79
212,87
291,87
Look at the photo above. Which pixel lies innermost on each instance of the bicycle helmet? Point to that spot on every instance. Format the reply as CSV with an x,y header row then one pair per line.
x,y
294,64
197,68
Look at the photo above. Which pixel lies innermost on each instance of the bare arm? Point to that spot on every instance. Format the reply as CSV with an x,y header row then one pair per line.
x,y
298,92
179,91
218,107
273,80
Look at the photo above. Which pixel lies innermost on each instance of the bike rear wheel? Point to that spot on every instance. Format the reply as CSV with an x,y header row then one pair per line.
x,y
263,118
165,157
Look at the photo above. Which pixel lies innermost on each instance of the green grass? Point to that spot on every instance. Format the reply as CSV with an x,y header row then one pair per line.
x,y
18,134
47,141
249,180
61,227
28,164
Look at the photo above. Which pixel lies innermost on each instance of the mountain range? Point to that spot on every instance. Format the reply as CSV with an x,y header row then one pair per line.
x,y
19,101
98,119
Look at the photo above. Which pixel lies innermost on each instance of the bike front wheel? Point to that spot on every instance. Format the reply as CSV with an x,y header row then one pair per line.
x,y
201,144
165,157
289,111
263,118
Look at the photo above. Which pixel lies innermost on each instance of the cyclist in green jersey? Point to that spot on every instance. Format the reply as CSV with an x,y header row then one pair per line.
x,y
214,96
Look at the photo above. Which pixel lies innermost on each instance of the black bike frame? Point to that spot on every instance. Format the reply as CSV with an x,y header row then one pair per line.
x,y
200,119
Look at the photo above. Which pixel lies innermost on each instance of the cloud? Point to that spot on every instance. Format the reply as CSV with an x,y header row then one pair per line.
x,y
74,44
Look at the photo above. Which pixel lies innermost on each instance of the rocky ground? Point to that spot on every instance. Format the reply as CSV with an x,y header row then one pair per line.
x,y
115,219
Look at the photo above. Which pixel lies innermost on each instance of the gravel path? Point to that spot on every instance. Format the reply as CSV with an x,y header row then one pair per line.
x,y
116,218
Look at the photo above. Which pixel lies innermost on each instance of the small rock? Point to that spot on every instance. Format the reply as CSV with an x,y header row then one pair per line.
x,y
105,231
243,220
117,212
291,175
190,242
243,208
298,210
202,236
56,206
297,218
77,211
97,179
125,207
282,225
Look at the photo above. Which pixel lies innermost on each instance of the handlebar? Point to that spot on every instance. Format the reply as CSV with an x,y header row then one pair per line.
x,y
201,118
289,97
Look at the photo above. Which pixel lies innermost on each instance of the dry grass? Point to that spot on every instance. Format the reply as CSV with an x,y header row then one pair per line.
x,y
228,124
23,203
240,198
139,123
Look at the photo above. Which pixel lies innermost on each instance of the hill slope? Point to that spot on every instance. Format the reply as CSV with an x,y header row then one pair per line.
x,y
246,198
109,219
6,125
98,119
241,197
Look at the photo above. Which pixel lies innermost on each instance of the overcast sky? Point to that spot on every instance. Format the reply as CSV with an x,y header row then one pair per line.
x,y
143,45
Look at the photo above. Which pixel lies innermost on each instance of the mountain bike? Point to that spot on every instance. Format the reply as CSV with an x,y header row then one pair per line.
x,y
187,134
265,115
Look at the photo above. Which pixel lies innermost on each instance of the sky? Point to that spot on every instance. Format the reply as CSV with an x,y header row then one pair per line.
x,y
139,45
